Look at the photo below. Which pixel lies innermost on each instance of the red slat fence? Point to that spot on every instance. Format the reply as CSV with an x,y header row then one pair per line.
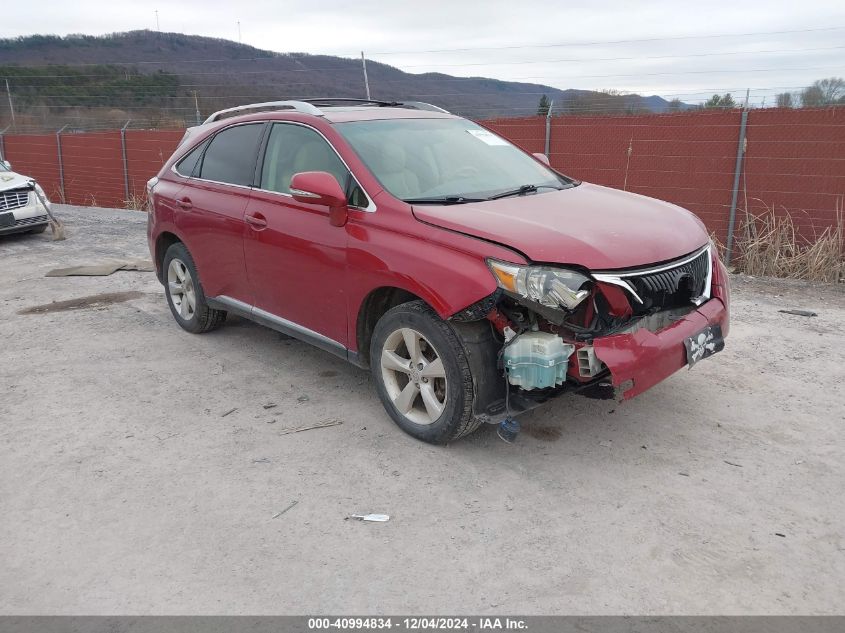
x,y
794,159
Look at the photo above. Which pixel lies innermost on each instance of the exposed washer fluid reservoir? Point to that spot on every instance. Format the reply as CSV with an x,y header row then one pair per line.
x,y
537,360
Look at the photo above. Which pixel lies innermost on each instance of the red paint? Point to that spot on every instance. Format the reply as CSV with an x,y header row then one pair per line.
x,y
595,227
297,264
304,186
302,268
647,358
617,300
314,261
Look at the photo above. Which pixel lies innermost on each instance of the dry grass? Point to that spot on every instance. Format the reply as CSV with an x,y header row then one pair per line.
x,y
769,245
720,248
136,202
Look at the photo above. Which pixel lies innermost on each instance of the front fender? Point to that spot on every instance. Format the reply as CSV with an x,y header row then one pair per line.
x,y
448,276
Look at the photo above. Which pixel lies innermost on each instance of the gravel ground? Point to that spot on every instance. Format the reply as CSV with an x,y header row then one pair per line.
x,y
126,490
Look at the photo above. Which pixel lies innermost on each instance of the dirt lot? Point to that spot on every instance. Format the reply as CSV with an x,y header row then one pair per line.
x,y
124,488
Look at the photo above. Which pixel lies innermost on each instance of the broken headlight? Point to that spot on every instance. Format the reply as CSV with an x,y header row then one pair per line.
x,y
546,285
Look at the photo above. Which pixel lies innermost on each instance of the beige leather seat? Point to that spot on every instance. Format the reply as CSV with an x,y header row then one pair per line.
x,y
316,156
394,174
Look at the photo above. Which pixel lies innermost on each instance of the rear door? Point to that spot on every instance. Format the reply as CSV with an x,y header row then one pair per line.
x,y
296,260
211,209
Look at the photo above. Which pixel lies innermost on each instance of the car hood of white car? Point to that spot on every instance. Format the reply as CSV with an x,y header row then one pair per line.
x,y
11,180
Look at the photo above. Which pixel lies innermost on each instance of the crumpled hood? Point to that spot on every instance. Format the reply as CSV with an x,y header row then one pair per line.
x,y
588,225
11,180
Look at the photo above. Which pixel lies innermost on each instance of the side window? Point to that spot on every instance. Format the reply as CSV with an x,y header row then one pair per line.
x,y
294,148
231,155
188,165
357,197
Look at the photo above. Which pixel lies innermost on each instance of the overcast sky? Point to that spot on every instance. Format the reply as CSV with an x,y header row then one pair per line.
x,y
566,44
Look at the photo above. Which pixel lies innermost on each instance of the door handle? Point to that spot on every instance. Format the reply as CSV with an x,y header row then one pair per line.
x,y
257,221
185,203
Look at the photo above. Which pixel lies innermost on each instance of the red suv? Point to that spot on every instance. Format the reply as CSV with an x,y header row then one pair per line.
x,y
473,280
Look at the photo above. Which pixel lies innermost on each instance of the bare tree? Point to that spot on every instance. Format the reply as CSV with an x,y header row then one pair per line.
x,y
824,92
784,100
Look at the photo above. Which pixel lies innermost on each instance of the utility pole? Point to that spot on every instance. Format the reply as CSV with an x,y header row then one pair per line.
x,y
197,105
239,32
158,28
366,81
11,105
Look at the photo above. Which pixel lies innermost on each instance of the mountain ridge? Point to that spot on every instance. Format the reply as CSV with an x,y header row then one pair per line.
x,y
225,73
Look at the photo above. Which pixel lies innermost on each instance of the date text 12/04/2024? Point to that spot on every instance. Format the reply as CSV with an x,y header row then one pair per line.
x,y
420,623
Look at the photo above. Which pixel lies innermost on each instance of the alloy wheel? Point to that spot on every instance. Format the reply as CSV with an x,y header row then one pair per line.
x,y
414,376
180,286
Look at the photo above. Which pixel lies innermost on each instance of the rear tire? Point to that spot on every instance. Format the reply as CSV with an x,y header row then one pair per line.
x,y
422,374
184,292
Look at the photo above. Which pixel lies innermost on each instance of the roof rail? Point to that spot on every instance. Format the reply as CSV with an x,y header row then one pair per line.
x,y
299,106
330,101
310,106
416,105
422,105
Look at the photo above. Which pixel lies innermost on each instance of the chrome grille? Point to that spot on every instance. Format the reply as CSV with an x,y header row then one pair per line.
x,y
694,273
13,199
661,287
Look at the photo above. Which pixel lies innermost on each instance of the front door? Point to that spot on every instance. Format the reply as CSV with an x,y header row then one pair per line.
x,y
295,259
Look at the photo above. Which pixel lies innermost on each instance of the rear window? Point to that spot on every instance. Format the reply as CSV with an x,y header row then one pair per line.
x,y
187,166
231,155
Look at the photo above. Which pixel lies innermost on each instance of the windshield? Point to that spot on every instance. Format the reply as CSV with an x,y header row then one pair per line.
x,y
2,166
446,160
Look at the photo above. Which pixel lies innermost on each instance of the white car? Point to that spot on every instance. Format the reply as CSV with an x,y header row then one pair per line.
x,y
20,209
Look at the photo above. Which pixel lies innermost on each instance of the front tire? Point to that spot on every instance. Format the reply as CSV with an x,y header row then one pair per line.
x,y
184,292
422,374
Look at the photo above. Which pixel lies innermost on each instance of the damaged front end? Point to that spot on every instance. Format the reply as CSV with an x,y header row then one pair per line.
x,y
600,333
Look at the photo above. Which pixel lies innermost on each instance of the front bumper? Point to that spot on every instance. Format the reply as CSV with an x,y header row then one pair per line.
x,y
640,360
26,218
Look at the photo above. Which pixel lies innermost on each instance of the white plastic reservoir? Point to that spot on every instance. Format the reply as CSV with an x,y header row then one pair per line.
x,y
537,360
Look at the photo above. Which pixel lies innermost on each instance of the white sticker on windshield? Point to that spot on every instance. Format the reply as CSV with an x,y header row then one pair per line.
x,y
488,137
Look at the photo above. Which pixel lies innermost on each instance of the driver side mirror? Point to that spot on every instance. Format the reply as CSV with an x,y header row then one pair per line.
x,y
320,187
542,158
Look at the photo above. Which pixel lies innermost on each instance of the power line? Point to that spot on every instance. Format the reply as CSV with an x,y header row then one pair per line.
x,y
352,56
631,58
600,42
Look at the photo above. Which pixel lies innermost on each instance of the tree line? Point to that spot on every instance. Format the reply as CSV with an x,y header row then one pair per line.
x,y
822,93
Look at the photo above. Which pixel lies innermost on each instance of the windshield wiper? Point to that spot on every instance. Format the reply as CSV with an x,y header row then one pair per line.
x,y
520,191
443,200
